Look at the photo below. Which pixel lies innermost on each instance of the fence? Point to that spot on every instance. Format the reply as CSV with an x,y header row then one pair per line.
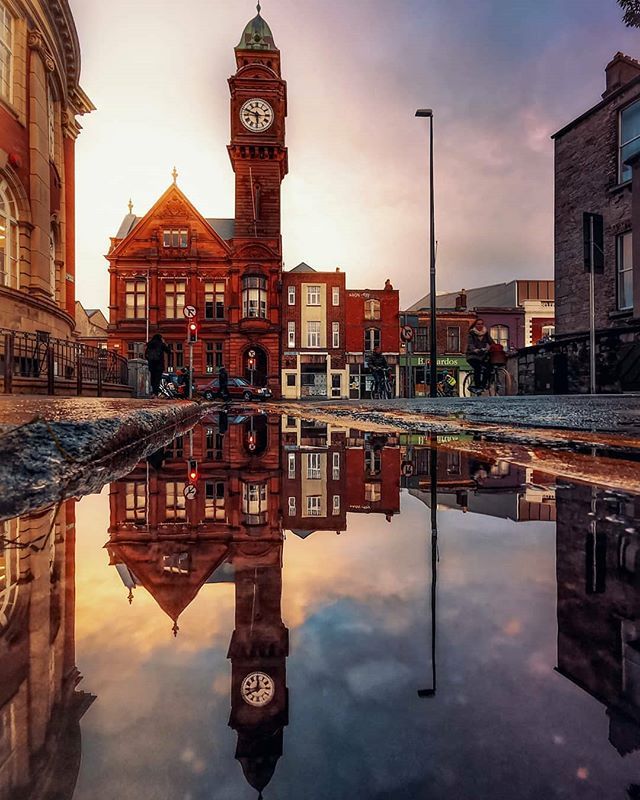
x,y
32,361
562,367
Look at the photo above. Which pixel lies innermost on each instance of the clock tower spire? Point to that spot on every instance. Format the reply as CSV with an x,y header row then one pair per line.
x,y
257,150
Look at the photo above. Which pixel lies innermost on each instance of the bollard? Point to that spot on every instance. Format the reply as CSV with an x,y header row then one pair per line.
x,y
50,370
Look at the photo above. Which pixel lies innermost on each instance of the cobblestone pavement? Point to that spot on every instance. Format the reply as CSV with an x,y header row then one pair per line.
x,y
615,414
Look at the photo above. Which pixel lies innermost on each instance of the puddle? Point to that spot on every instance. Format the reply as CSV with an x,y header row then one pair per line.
x,y
335,614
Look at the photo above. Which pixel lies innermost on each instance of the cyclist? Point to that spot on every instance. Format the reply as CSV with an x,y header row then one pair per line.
x,y
479,353
378,366
448,384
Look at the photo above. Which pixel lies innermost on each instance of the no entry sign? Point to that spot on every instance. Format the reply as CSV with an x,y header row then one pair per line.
x,y
189,312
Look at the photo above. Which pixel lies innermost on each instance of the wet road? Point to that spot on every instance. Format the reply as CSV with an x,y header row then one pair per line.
x,y
234,643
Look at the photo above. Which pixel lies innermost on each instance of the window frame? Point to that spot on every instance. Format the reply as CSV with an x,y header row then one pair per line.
x,y
456,339
291,335
8,21
620,239
372,339
496,331
214,300
139,312
254,297
175,238
172,298
313,335
335,295
9,262
313,293
372,309
335,335
291,295
621,145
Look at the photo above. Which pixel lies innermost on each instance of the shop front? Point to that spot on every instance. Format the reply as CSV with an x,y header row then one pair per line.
x,y
361,381
415,373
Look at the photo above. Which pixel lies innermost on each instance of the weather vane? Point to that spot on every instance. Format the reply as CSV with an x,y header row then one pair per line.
x,y
174,175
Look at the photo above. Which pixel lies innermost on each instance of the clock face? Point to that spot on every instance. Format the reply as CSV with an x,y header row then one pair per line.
x,y
258,689
256,115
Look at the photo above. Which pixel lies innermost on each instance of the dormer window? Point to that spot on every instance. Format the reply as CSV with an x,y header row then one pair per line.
x,y
175,237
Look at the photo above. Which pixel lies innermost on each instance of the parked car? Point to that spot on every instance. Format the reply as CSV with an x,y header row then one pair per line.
x,y
238,388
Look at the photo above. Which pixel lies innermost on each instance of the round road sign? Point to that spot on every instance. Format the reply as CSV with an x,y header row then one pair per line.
x,y
190,491
189,312
407,334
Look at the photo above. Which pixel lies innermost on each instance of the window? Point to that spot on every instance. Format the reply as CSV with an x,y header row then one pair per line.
x,y
314,505
135,296
371,339
135,501
176,510
175,450
629,124
372,309
254,503
335,334
214,501
291,379
549,330
335,295
372,462
336,385
453,339
453,463
313,466
313,334
422,340
291,335
214,300
176,356
292,506
292,295
625,270
135,349
500,335
215,445
313,295
291,464
254,296
175,237
174,297
336,503
8,231
336,467
176,563
372,492
6,51
213,355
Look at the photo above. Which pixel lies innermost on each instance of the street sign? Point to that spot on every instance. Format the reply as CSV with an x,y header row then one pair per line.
x,y
190,491
252,353
189,312
406,334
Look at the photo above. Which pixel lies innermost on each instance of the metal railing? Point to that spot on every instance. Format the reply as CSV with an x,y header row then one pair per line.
x,y
50,361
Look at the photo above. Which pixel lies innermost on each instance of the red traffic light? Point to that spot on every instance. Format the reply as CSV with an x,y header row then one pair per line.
x,y
192,331
192,471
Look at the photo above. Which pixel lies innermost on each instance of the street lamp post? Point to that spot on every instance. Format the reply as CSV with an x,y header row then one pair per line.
x,y
433,350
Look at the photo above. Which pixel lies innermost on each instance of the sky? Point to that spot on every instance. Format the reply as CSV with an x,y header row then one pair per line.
x,y
501,76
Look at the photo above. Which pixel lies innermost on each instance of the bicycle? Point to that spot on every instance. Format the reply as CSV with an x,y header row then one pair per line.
x,y
500,383
385,390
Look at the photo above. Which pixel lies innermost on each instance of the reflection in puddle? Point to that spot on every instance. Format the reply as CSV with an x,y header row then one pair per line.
x,y
530,630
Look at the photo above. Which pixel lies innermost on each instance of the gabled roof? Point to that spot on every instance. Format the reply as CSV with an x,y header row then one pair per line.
x,y
225,228
302,267
498,295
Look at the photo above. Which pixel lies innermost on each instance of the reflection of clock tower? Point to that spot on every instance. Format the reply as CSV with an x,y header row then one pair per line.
x,y
258,652
257,150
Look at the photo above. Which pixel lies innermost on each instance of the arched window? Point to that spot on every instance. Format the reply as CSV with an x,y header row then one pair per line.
x,y
8,238
371,339
372,309
500,335
254,296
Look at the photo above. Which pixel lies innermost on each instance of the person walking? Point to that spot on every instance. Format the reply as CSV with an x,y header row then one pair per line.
x,y
478,354
378,367
223,378
154,353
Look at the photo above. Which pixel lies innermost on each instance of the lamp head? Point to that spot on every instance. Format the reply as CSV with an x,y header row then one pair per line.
x,y
424,112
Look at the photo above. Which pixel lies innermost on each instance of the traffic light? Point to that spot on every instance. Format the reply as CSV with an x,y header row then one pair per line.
x,y
252,363
192,331
192,471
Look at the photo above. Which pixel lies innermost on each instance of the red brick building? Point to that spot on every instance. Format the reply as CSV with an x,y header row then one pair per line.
x,y
229,269
40,98
372,319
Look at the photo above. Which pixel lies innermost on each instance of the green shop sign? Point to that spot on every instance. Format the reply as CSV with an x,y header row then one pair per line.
x,y
443,361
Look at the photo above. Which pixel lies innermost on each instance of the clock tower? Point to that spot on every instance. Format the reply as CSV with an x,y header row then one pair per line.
x,y
257,150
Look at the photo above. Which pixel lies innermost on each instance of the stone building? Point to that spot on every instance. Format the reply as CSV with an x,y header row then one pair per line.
x,y
40,98
91,326
591,176
230,270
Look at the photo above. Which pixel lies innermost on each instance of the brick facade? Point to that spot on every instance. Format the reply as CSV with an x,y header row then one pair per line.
x,y
38,129
587,179
229,270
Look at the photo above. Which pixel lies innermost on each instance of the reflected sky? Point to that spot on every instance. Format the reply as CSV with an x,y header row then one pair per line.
x,y
504,722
